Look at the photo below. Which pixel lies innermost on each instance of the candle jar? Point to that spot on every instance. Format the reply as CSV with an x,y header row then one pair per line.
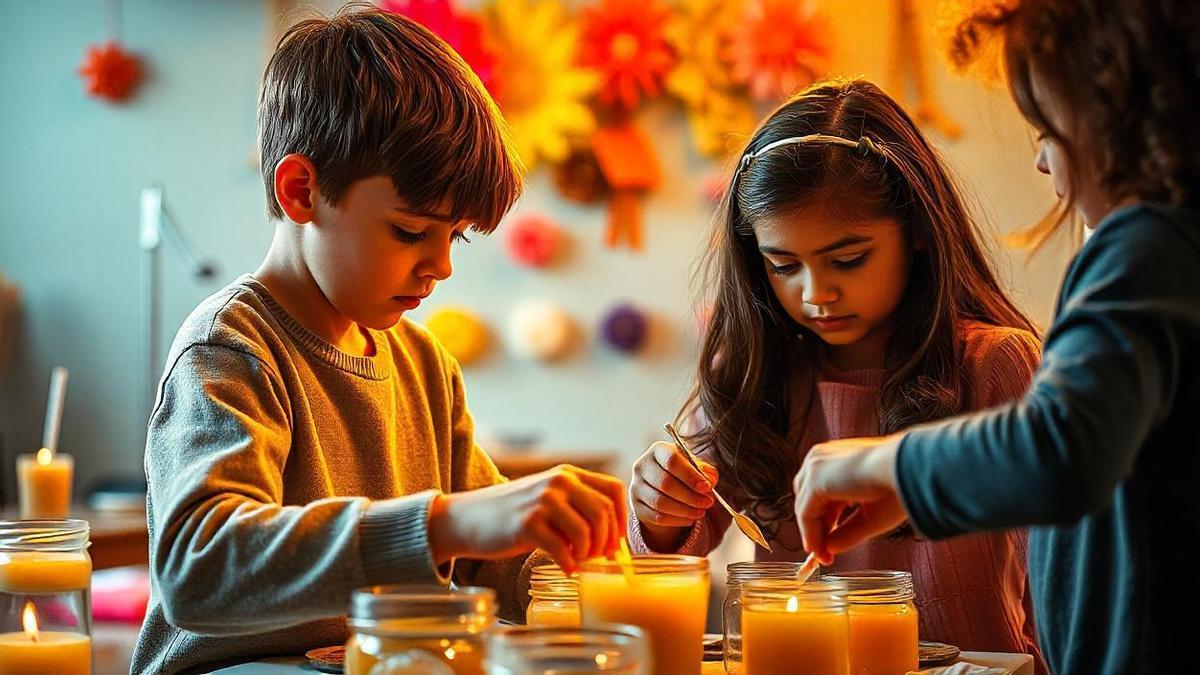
x,y
790,628
45,597
44,484
557,651
731,611
664,595
554,598
883,622
449,623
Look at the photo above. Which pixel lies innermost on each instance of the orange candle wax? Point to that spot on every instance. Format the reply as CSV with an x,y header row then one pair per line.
x,y
35,652
883,639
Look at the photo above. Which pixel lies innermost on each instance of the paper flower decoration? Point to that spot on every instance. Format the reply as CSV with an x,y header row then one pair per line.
x,y
779,47
625,41
461,30
631,168
110,72
544,92
540,330
532,240
718,112
624,328
579,178
461,332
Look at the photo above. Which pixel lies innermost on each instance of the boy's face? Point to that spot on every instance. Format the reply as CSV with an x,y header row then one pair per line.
x,y
842,278
372,256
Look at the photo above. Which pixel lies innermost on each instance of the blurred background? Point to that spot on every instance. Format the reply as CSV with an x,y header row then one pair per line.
x,y
74,163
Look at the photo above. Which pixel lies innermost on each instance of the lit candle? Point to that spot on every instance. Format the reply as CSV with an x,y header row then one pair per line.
x,y
35,652
44,484
805,633
666,596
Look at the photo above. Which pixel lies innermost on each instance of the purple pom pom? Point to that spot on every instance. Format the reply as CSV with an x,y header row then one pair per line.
x,y
624,328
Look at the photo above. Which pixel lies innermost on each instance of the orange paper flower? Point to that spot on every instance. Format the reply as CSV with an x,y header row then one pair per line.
x,y
624,40
110,72
779,47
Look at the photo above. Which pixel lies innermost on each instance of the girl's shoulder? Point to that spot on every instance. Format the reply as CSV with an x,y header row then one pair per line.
x,y
1000,360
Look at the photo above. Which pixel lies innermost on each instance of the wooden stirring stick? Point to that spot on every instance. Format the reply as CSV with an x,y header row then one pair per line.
x,y
747,526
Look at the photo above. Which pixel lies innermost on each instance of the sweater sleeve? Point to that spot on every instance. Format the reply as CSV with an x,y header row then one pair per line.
x,y
1112,366
227,558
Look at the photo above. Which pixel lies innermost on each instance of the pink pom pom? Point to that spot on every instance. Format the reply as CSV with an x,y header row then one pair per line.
x,y
532,240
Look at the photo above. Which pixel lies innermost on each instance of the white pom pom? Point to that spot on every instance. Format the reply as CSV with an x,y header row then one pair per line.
x,y
540,330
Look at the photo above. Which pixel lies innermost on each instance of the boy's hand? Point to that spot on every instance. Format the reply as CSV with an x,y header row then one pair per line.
x,y
669,495
570,513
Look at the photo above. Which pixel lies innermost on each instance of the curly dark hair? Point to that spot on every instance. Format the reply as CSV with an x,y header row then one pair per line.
x,y
751,348
1128,72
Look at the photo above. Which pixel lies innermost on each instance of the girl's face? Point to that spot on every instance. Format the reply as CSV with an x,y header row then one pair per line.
x,y
1090,203
842,278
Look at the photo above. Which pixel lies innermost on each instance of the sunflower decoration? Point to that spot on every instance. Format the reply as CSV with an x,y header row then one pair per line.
x,y
716,108
463,31
625,41
544,90
779,47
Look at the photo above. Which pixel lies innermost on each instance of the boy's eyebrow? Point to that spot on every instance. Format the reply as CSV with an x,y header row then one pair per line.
x,y
840,243
424,214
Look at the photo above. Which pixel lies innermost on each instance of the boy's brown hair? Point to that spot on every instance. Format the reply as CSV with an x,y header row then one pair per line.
x,y
368,93
1126,69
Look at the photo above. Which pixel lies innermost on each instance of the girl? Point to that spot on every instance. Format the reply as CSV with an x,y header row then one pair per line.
x,y
852,296
1101,452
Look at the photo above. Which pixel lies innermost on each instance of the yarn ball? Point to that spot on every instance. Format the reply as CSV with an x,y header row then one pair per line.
x,y
463,334
624,328
532,240
540,330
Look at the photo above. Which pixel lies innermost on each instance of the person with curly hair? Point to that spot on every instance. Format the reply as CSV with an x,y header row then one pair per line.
x,y
1099,458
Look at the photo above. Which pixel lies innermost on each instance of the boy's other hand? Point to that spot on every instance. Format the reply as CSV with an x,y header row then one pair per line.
x,y
570,513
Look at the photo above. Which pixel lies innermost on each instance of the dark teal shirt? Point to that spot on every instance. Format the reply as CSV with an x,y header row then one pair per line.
x,y
1101,457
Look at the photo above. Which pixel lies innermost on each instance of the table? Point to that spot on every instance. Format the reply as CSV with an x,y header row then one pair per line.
x,y
118,538
1014,664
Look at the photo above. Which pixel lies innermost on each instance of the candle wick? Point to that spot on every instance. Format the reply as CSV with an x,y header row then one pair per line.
x,y
33,636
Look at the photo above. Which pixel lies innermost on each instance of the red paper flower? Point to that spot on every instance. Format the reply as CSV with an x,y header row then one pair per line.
x,y
779,47
110,72
461,30
624,40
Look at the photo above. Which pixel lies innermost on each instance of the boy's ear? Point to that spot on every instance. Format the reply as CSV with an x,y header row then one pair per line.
x,y
296,188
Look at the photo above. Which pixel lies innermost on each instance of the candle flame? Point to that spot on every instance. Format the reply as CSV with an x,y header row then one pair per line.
x,y
450,653
45,456
601,660
29,621
793,604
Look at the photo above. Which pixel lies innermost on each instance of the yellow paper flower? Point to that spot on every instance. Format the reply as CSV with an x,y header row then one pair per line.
x,y
543,92
718,112
460,332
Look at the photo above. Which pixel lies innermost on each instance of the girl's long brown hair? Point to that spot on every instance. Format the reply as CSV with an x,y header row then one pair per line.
x,y
751,347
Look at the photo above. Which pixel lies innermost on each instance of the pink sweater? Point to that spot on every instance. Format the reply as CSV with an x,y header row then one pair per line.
x,y
971,590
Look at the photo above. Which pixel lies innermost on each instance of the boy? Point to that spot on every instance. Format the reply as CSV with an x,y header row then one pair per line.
x,y
307,440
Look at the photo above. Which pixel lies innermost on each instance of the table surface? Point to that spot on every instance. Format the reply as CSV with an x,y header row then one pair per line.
x,y
1014,664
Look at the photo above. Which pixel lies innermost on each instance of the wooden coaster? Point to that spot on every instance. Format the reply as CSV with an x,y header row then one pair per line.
x,y
936,653
327,659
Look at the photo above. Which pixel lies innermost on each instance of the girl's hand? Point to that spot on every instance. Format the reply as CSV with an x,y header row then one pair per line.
x,y
570,513
853,472
668,494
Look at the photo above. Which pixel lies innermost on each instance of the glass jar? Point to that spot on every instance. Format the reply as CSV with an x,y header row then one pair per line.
x,y
731,611
567,651
554,598
792,628
390,621
883,622
45,597
664,595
